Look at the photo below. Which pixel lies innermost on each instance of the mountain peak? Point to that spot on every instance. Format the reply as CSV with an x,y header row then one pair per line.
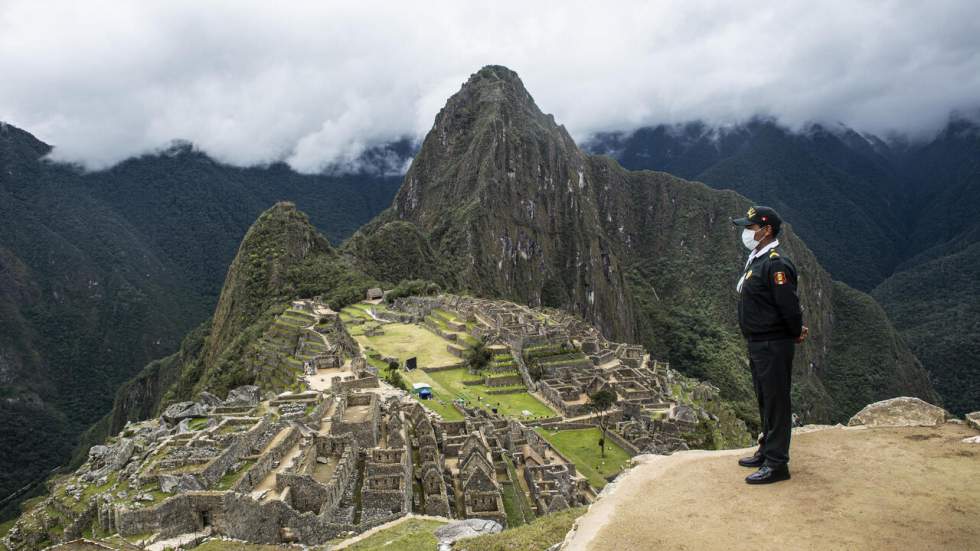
x,y
479,142
281,239
498,72
18,139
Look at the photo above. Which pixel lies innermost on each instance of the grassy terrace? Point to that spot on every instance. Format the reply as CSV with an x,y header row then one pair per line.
x,y
404,341
516,502
510,405
359,311
231,477
581,446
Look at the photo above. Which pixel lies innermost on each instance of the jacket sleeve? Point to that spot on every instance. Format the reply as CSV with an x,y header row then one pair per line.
x,y
782,284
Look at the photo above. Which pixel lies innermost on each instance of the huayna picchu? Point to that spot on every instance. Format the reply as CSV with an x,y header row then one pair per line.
x,y
452,358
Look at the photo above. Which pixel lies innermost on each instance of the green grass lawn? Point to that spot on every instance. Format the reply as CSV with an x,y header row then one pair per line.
x,y
406,340
510,405
402,341
443,397
448,385
581,446
354,311
410,535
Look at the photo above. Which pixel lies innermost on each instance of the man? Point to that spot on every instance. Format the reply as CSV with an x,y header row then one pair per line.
x,y
771,320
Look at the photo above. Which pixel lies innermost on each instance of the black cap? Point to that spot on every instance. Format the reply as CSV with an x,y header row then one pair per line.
x,y
761,215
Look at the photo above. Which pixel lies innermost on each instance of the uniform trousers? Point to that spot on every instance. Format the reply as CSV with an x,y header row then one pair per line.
x,y
771,363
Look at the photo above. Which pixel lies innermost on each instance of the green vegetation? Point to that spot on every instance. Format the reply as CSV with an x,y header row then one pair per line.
x,y
509,405
403,341
599,404
854,377
409,535
6,526
542,533
936,308
232,476
478,358
410,287
397,251
197,423
516,503
580,447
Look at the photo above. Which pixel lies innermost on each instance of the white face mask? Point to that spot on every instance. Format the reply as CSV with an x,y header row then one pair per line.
x,y
749,240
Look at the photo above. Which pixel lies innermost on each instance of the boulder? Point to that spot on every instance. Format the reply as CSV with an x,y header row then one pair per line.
x,y
899,412
972,440
973,419
183,410
684,413
104,459
96,455
248,395
173,483
120,453
462,529
209,400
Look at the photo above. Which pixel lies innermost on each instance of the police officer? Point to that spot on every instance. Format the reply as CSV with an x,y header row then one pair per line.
x,y
771,320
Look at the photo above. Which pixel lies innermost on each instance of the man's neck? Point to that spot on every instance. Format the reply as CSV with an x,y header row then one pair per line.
x,y
763,244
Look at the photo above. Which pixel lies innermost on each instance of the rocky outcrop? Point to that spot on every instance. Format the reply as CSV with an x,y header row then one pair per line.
x,y
865,489
183,410
247,395
973,419
463,529
900,412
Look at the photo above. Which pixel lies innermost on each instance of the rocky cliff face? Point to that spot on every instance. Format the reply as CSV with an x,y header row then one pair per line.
x,y
503,193
506,198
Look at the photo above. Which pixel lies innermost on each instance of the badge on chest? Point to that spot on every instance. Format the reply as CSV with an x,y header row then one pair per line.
x,y
743,280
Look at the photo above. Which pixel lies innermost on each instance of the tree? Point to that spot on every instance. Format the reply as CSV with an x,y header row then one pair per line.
x,y
479,357
599,403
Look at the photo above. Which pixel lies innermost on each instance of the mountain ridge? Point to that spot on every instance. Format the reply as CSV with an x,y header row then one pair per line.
x,y
895,218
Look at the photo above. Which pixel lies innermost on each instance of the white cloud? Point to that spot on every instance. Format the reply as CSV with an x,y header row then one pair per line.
x,y
315,83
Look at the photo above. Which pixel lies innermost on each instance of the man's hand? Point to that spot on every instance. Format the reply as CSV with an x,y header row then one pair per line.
x,y
803,334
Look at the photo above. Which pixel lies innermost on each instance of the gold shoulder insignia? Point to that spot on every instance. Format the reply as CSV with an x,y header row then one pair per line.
x,y
773,254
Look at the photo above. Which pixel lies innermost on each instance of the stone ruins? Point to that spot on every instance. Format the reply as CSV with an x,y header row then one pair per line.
x,y
342,450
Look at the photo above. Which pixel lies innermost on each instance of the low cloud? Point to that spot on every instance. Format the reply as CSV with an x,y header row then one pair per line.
x,y
317,84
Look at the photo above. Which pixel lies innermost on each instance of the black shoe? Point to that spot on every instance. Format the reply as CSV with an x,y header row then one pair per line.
x,y
768,475
754,461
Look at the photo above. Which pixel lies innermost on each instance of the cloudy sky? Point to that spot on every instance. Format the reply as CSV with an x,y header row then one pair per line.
x,y
315,83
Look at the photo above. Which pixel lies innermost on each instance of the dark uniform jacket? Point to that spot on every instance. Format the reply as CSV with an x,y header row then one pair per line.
x,y
768,305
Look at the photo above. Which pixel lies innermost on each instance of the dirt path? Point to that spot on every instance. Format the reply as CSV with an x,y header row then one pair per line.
x,y
894,488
